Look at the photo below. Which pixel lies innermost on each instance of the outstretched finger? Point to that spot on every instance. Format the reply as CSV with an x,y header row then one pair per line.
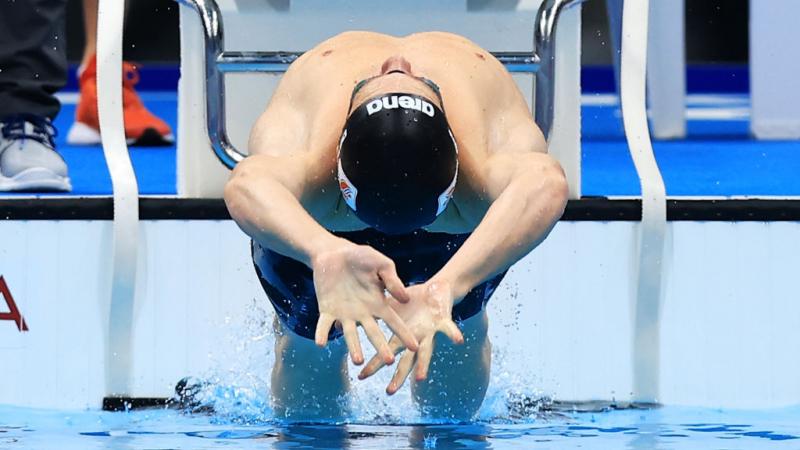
x,y
450,329
324,325
424,358
377,339
396,345
376,362
400,329
352,341
403,369
373,365
394,284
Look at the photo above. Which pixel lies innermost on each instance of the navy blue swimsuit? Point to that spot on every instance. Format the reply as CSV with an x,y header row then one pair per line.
x,y
289,284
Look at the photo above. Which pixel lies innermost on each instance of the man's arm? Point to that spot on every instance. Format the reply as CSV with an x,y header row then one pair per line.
x,y
528,191
265,191
264,197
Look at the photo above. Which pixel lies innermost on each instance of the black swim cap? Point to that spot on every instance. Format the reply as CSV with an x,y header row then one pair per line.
x,y
398,162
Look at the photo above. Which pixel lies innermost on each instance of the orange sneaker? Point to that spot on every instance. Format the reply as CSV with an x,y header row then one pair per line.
x,y
141,126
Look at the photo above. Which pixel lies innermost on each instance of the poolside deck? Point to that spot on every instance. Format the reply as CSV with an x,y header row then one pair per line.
x,y
718,159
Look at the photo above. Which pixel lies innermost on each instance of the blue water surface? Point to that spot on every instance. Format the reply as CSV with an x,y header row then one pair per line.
x,y
661,428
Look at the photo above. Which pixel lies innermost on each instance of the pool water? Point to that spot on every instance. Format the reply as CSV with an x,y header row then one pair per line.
x,y
661,428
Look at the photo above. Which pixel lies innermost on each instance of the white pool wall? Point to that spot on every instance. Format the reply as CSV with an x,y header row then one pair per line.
x,y
562,318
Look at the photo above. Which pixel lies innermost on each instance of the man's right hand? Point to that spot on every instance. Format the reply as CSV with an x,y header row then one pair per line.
x,y
350,281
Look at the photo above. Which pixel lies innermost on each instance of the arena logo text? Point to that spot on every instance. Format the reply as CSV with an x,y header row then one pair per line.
x,y
403,101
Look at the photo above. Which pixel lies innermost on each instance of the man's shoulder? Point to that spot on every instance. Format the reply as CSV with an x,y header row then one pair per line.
x,y
353,37
443,36
373,38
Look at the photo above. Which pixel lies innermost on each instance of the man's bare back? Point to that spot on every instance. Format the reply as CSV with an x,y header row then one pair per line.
x,y
484,108
292,196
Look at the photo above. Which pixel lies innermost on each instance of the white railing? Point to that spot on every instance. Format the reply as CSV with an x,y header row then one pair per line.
x,y
120,306
646,310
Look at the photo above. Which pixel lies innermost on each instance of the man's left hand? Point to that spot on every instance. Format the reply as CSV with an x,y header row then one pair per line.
x,y
428,312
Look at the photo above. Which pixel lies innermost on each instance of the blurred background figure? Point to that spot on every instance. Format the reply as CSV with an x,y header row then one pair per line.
x,y
141,126
33,66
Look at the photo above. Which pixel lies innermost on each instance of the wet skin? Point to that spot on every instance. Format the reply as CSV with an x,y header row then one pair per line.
x,y
286,197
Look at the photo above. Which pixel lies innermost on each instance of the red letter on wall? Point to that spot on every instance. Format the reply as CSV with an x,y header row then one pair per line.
x,y
13,312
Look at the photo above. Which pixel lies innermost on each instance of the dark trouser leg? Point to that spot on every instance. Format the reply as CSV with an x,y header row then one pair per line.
x,y
614,10
33,58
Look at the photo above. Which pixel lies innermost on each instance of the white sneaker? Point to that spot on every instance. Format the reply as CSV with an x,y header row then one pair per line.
x,y
28,158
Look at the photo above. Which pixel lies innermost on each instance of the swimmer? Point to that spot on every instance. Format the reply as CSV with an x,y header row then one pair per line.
x,y
394,179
